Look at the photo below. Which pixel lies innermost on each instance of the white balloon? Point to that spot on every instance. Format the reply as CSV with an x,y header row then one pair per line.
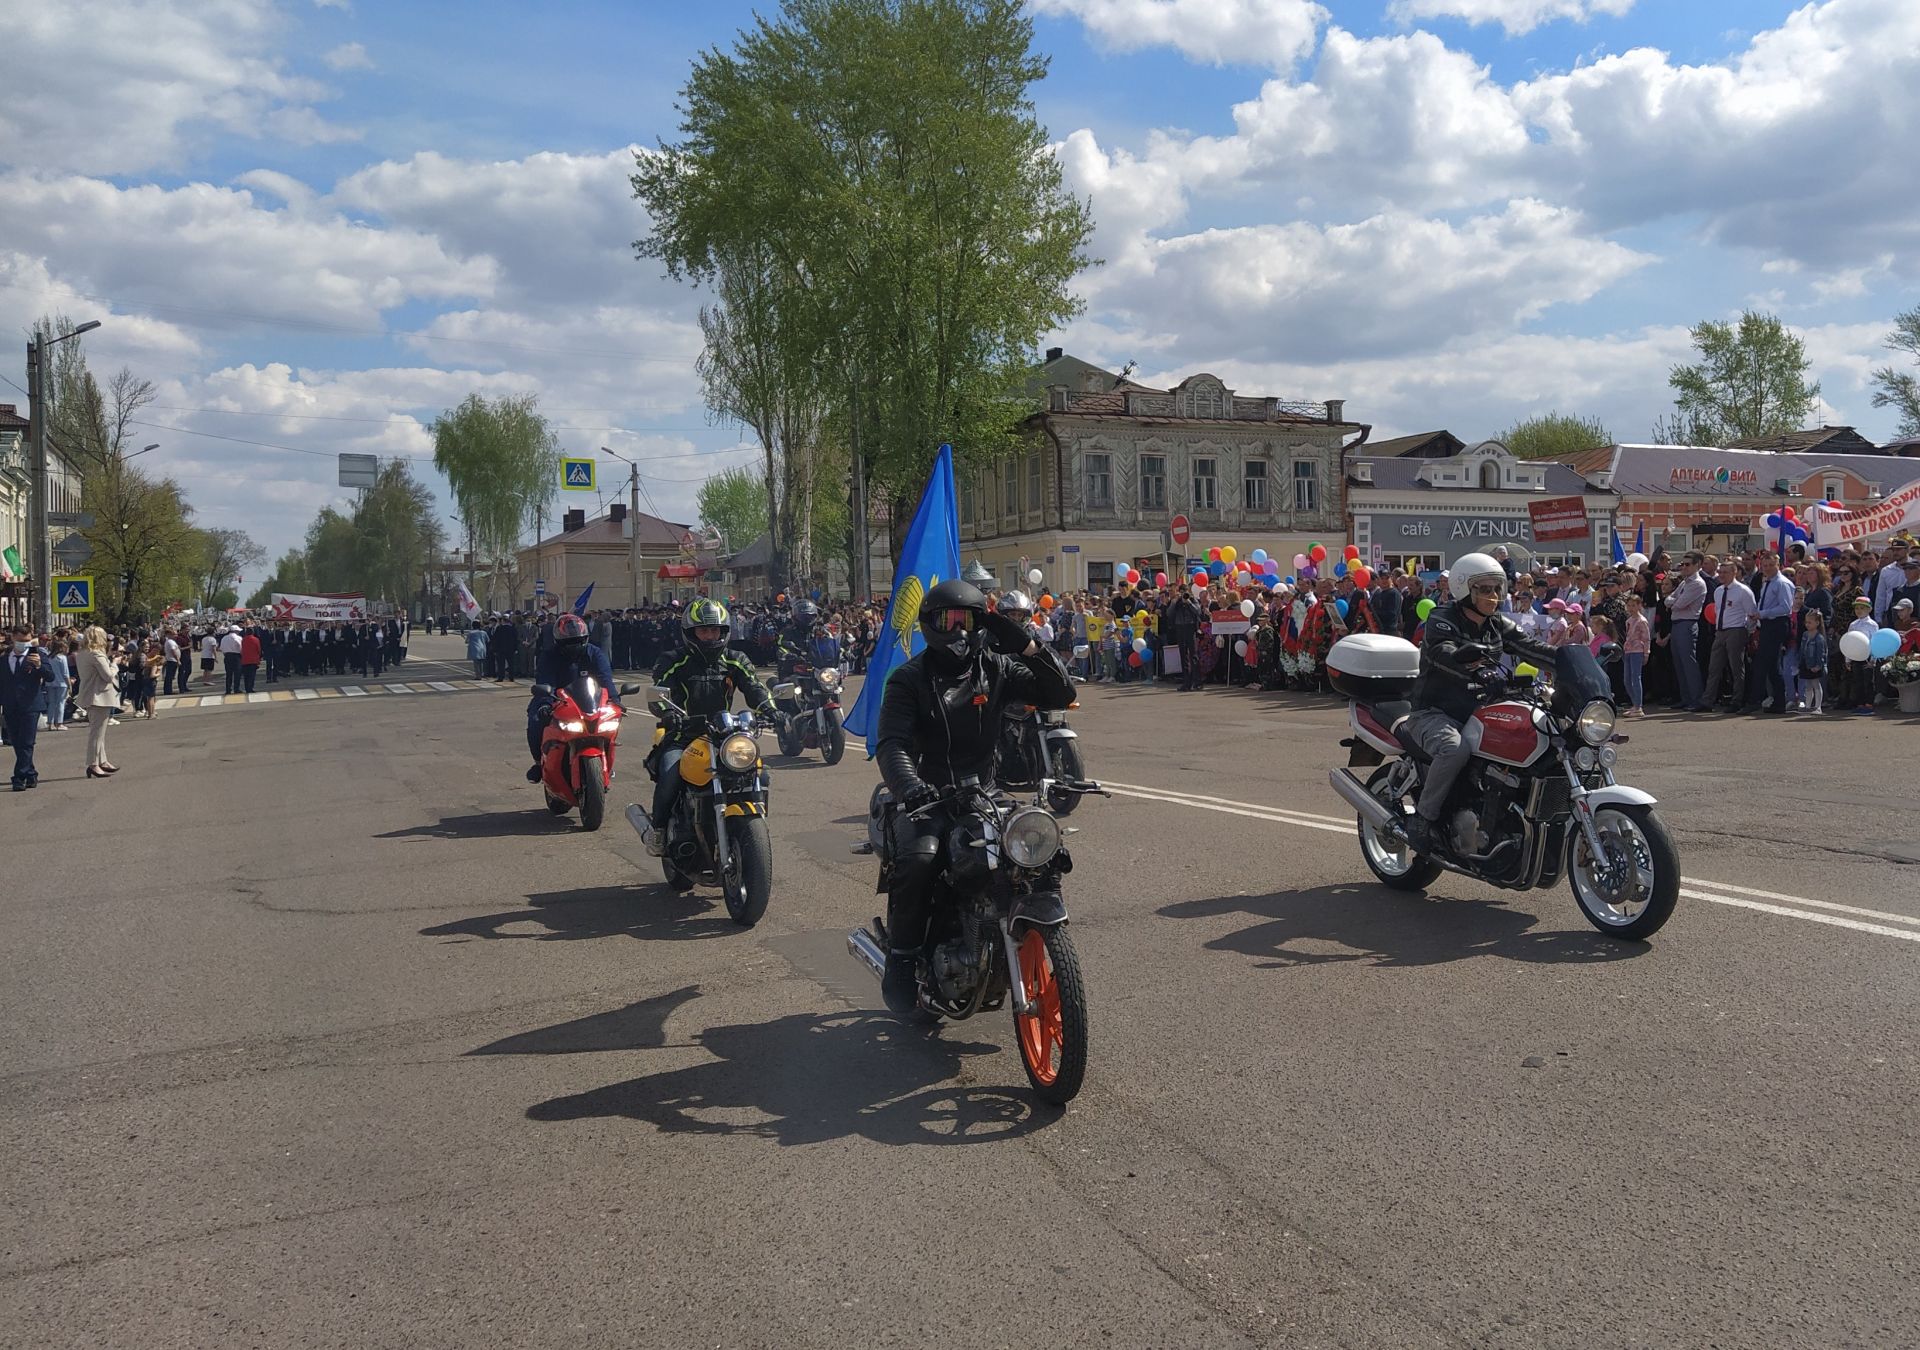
x,y
1636,561
1856,646
1139,644
1199,591
1246,609
1239,649
1035,577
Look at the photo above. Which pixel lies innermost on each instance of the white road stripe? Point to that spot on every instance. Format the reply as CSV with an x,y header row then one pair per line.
x,y
1909,934
257,697
306,693
1306,820
441,685
398,689
211,700
353,691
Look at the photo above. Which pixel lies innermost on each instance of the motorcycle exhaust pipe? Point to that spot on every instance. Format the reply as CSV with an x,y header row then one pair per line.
x,y
637,818
1371,808
866,951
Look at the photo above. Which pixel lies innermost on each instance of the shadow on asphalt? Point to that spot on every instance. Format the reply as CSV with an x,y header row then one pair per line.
x,y
489,825
1384,927
640,911
808,1078
638,1026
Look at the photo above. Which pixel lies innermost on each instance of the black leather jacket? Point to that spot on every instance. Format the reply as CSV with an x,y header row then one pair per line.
x,y
938,729
1461,649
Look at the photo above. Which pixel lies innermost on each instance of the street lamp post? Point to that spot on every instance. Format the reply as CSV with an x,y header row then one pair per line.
x,y
39,559
633,524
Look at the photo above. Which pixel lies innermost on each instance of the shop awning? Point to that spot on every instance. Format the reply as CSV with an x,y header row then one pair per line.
x,y
679,571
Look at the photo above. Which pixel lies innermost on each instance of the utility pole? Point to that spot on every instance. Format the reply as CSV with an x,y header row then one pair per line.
x,y
39,559
633,525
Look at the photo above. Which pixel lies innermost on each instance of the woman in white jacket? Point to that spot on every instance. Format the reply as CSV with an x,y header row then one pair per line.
x,y
98,680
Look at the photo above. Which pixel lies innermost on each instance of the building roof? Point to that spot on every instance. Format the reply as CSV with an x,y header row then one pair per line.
x,y
654,533
757,554
1093,392
1401,473
1710,471
11,420
1821,440
1421,445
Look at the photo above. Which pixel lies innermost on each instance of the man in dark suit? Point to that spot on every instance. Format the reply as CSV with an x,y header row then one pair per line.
x,y
503,646
24,677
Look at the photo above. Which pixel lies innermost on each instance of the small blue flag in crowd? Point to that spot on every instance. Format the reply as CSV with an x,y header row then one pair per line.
x,y
580,605
930,556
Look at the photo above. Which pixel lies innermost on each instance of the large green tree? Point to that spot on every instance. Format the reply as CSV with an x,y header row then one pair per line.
x,y
869,175
735,503
1554,433
1900,389
502,461
387,546
221,560
1750,381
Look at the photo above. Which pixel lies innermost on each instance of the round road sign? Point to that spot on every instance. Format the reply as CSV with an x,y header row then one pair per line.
x,y
1180,531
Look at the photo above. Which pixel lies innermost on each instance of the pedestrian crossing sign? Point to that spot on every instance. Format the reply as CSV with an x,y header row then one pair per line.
x,y
576,475
72,595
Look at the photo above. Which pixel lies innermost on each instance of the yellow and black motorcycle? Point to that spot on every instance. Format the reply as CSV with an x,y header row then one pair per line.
x,y
718,833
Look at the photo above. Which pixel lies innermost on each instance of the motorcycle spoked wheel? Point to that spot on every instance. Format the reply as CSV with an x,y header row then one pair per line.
x,y
1053,1041
1633,894
747,884
1066,765
1392,862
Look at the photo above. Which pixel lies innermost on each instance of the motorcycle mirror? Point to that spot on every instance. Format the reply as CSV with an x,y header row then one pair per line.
x,y
542,689
627,689
1610,654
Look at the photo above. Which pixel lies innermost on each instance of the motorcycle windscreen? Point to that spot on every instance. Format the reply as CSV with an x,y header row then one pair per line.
x,y
1578,679
585,692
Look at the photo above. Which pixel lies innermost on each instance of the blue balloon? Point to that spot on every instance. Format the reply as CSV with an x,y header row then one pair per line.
x,y
1290,581
1259,555
1773,520
1341,606
1884,644
1340,569
1218,569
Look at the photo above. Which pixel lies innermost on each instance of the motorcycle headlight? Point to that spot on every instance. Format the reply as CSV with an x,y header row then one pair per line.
x,y
738,753
1586,759
829,678
609,720
1031,837
1595,723
567,724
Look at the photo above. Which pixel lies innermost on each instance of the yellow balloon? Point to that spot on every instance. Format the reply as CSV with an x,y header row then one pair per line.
x,y
1228,555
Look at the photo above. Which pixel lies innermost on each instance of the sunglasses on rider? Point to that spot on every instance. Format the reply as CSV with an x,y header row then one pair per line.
x,y
952,621
1485,588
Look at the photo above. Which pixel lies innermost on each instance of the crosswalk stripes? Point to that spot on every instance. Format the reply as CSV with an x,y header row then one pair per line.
x,y
308,695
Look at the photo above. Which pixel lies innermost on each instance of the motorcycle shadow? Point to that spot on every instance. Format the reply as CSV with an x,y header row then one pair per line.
x,y
641,1025
649,912
1384,927
809,1078
502,824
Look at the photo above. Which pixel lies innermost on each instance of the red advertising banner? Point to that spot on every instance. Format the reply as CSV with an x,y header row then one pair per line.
x,y
1558,518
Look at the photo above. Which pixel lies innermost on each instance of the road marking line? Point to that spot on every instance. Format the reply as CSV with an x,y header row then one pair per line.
x,y
328,693
162,704
1909,934
259,697
281,696
398,689
211,700
1695,891
305,693
353,691
442,686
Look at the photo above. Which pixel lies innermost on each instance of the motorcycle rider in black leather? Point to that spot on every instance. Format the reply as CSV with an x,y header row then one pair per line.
x,y
1460,657
796,639
701,681
940,722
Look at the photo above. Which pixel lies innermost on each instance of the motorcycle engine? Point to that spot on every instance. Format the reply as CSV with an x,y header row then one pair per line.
x,y
955,969
1469,839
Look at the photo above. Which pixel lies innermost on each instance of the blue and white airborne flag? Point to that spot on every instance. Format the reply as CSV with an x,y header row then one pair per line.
x,y
580,604
930,556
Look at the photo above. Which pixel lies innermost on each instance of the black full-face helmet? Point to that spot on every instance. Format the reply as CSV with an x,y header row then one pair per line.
x,y
705,614
950,617
806,614
570,635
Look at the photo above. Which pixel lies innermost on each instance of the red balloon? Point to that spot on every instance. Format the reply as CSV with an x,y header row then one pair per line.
x,y
1708,612
1787,511
1319,553
1353,550
1134,660
1362,577
1160,578
1133,576
1213,554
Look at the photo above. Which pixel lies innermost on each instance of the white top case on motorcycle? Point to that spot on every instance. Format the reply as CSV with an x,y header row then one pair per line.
x,y
1373,667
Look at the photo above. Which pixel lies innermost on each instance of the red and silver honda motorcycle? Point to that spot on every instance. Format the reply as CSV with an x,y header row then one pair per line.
x,y
576,749
1537,799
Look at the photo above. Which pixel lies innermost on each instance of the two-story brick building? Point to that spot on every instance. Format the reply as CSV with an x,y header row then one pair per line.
x,y
1109,462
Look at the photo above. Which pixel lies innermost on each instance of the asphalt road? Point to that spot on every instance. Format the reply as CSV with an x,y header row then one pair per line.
x,y
321,1032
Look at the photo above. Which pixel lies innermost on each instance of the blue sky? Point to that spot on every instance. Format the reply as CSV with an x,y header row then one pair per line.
x,y
315,225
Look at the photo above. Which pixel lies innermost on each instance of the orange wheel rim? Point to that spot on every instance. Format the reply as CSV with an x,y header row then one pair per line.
x,y
1042,1036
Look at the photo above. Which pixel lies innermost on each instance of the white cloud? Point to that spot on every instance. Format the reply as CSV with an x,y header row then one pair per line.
x,y
143,78
347,56
1273,33
1516,16
218,252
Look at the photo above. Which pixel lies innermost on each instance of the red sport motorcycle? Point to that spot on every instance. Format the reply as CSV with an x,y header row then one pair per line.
x,y
1537,799
576,748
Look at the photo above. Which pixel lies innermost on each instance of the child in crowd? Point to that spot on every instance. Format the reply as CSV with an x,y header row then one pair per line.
x,y
1813,663
1557,629
1097,625
1858,691
1578,634
1602,634
1638,643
